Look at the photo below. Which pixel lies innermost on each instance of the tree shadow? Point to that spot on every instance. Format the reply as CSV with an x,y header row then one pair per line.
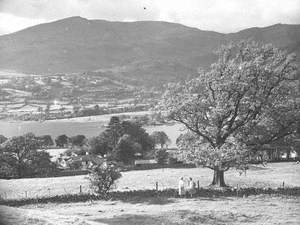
x,y
161,200
131,219
181,217
148,200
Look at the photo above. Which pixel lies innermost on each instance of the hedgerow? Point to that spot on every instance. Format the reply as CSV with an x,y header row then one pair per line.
x,y
143,194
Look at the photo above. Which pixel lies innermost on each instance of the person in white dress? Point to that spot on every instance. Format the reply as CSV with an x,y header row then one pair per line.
x,y
181,191
191,187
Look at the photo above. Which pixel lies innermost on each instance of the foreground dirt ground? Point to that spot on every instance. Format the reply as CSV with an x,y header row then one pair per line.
x,y
263,209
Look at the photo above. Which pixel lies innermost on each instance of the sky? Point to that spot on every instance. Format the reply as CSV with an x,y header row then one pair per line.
x,y
218,15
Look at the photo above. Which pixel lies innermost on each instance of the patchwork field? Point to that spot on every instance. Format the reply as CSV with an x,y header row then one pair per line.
x,y
273,175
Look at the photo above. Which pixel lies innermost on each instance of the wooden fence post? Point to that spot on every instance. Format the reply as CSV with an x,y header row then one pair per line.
x,y
80,189
156,186
198,185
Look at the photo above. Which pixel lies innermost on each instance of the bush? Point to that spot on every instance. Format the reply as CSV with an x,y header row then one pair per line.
x,y
103,179
75,165
161,156
172,161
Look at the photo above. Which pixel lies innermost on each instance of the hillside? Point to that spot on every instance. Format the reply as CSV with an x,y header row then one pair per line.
x,y
143,52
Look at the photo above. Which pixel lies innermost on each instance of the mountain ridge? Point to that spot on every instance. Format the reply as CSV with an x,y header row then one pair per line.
x,y
149,51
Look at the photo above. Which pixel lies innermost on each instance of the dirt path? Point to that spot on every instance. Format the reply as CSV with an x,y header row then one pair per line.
x,y
252,210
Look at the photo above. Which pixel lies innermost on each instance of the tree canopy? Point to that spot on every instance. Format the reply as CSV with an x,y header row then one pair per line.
x,y
99,145
46,141
125,149
62,140
160,138
250,87
20,157
121,140
2,138
78,140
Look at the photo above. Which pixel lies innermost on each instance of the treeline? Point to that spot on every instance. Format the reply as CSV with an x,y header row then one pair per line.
x,y
62,113
122,141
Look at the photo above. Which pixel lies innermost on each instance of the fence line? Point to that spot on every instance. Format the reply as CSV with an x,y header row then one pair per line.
x,y
26,194
83,189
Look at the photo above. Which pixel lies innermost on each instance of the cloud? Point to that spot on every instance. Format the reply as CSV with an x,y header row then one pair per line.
x,y
10,23
218,15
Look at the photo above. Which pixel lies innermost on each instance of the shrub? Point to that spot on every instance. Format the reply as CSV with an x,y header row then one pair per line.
x,y
62,140
75,165
161,156
78,140
172,161
103,179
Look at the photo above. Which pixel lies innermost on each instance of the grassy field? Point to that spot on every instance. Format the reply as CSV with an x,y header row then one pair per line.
x,y
259,210
273,175
88,126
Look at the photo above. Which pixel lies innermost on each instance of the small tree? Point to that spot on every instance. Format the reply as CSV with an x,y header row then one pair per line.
x,y
62,141
78,140
114,131
7,166
125,150
160,138
138,135
2,139
99,145
46,141
103,179
161,156
39,164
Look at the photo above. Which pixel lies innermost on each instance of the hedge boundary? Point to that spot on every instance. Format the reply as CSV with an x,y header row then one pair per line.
x,y
144,194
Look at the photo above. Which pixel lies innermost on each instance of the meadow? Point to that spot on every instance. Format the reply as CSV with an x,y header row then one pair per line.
x,y
89,126
256,209
147,211
272,175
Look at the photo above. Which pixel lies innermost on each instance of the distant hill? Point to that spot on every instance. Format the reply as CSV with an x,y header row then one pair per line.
x,y
146,52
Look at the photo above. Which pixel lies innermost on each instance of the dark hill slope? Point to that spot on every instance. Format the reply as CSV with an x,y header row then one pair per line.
x,y
150,52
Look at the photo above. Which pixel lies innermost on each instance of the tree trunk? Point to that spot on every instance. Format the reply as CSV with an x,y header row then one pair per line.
x,y
288,154
218,178
269,152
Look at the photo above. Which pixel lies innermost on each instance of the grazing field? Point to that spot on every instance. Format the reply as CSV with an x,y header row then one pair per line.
x,y
88,126
273,175
258,210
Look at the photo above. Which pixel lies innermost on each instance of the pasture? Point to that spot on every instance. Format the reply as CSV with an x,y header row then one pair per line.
x,y
88,126
259,209
273,175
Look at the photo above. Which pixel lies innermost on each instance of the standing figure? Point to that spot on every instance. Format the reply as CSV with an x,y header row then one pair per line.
x,y
191,187
181,191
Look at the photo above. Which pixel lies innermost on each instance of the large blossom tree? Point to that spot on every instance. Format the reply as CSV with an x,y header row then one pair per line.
x,y
251,88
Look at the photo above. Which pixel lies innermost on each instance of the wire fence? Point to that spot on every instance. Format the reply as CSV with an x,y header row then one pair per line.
x,y
45,192
78,189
